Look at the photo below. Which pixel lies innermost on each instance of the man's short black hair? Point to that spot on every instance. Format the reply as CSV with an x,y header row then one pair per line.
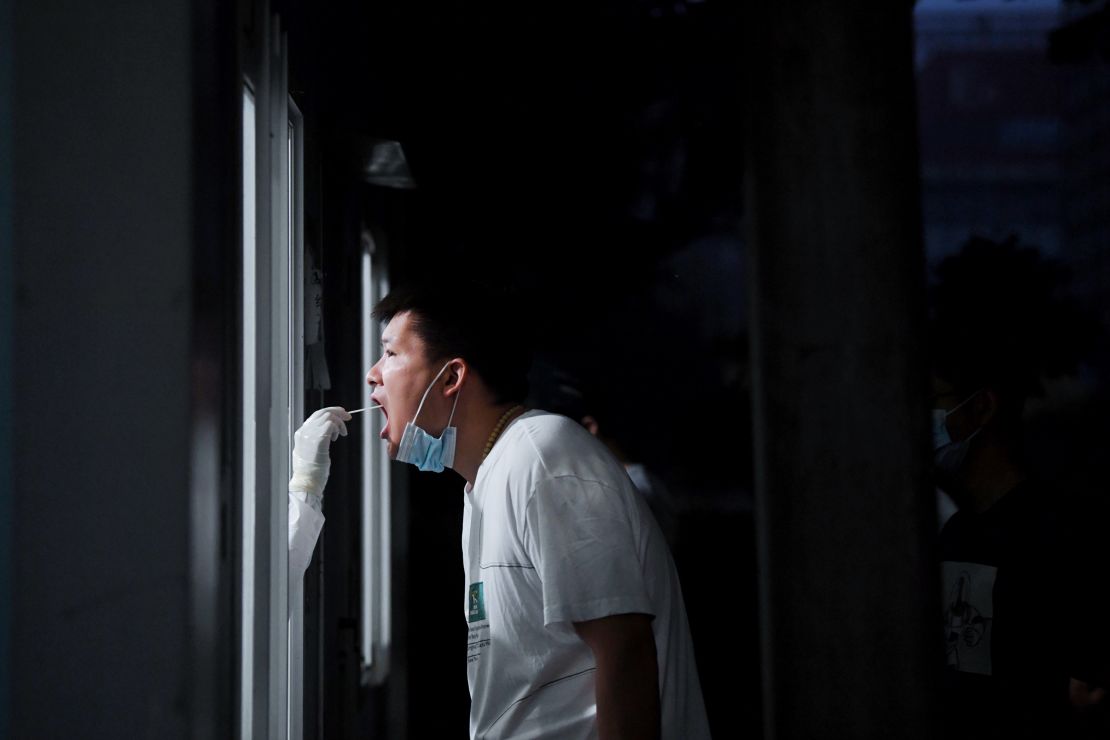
x,y
482,323
1002,317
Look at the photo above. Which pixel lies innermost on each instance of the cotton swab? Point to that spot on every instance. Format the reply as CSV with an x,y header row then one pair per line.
x,y
368,408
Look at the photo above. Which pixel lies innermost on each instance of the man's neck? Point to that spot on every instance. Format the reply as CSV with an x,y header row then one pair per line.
x,y
994,474
474,435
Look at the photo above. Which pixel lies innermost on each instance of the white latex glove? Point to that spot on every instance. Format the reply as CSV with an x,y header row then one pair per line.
x,y
310,449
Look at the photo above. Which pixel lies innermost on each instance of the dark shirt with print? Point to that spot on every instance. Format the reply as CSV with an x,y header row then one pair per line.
x,y
1013,618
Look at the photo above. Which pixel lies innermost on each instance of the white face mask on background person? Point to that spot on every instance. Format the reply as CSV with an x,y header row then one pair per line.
x,y
949,456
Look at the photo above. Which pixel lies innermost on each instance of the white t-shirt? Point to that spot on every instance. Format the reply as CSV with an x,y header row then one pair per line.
x,y
554,532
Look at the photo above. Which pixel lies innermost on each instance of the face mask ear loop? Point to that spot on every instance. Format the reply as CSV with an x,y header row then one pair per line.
x,y
425,396
960,405
453,407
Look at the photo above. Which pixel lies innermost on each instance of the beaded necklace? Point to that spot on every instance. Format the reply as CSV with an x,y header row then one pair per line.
x,y
498,429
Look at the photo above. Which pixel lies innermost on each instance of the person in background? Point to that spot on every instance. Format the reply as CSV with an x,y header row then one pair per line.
x,y
563,394
1016,589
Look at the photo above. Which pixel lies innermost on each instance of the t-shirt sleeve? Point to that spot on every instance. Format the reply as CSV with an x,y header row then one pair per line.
x,y
580,537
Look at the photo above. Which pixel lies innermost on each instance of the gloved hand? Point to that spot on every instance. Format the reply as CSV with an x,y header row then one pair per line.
x,y
310,449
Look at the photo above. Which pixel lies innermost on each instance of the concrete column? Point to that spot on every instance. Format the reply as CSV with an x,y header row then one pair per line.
x,y
844,509
6,363
119,121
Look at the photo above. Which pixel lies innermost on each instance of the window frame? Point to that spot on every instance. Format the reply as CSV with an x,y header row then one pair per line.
x,y
269,654
248,331
375,626
294,191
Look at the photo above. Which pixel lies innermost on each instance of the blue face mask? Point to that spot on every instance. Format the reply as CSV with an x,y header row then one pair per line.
x,y
948,456
422,449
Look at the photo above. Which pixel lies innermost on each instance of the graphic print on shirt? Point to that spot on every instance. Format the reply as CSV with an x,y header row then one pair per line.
x,y
477,639
968,615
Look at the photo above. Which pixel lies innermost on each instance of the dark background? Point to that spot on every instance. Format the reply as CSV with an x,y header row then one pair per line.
x,y
592,154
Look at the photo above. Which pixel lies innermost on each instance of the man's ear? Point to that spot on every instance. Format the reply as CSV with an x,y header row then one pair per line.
x,y
986,406
456,376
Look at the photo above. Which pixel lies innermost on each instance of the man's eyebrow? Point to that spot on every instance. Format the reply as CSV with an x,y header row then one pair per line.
x,y
386,340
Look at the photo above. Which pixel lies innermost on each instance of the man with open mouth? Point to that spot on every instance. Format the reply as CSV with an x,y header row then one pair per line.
x,y
577,627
